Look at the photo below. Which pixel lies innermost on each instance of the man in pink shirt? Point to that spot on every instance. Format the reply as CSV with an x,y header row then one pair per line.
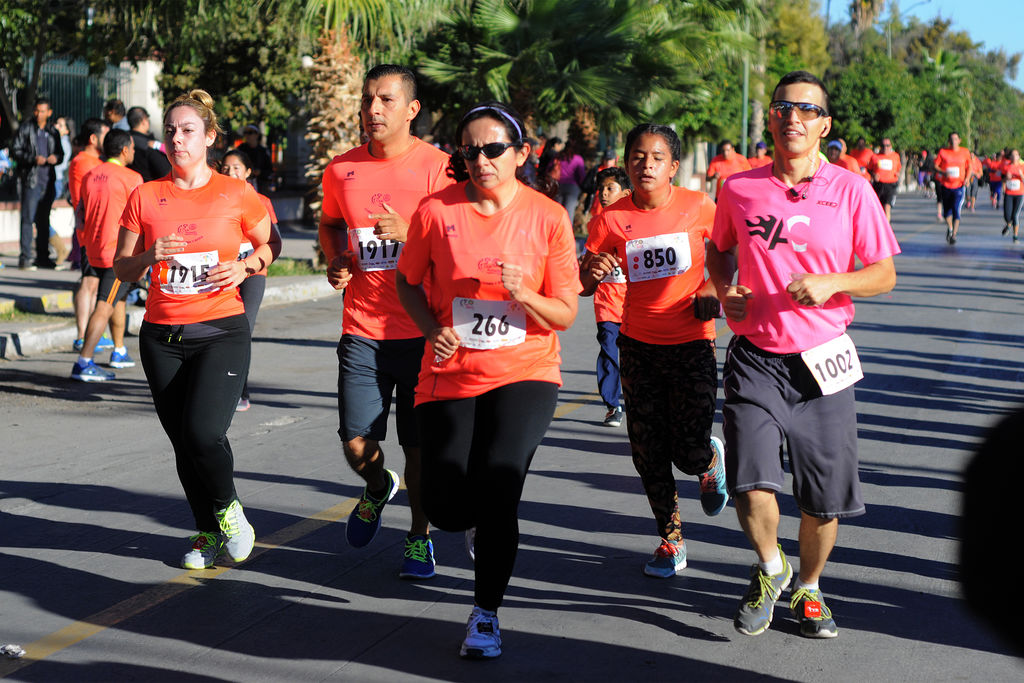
x,y
790,369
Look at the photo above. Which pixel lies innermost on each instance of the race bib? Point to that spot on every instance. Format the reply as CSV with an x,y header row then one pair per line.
x,y
245,249
953,172
834,364
652,258
616,277
372,252
185,273
488,324
885,164
1013,184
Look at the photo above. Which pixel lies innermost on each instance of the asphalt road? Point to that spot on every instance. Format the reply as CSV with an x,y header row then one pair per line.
x,y
93,521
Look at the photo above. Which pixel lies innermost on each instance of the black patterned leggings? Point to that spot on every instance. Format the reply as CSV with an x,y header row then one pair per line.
x,y
669,392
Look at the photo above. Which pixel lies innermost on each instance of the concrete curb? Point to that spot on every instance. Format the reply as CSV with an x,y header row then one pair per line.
x,y
59,336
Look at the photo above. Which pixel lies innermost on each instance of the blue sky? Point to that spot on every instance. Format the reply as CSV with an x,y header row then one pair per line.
x,y
996,23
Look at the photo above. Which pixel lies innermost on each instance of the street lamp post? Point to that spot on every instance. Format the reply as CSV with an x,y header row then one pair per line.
x,y
888,25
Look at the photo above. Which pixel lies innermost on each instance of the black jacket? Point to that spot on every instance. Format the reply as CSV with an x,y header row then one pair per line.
x,y
149,163
25,152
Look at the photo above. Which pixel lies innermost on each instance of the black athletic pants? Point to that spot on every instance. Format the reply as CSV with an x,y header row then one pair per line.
x,y
196,383
475,454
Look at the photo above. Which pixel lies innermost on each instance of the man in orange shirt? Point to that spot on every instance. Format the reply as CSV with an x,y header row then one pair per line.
x,y
761,156
370,193
952,165
725,164
885,170
863,154
105,190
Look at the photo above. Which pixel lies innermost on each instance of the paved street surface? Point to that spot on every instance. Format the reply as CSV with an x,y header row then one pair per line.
x,y
93,521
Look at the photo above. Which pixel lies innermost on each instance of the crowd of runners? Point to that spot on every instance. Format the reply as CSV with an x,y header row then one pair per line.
x,y
459,269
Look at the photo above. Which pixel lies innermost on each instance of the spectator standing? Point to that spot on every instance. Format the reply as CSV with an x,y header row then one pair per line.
x,y
38,151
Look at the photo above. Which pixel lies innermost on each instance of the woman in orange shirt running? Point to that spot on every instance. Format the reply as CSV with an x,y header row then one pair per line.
x,y
184,230
488,274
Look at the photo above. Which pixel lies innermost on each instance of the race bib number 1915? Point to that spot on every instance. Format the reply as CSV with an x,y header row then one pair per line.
x,y
185,273
834,364
374,253
483,324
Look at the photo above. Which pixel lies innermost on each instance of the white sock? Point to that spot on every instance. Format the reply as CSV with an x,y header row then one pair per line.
x,y
121,350
773,566
809,586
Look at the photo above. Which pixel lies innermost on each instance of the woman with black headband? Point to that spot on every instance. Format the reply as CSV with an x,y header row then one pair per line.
x,y
489,273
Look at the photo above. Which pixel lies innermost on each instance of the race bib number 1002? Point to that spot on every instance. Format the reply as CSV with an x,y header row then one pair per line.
x,y
185,273
651,258
834,364
485,324
374,253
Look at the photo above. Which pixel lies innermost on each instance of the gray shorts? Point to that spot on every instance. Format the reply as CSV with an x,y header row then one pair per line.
x,y
369,372
771,399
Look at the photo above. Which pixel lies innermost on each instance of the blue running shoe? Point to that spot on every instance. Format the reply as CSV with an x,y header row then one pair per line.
x,y
78,345
713,495
364,521
668,560
105,343
90,373
121,360
419,558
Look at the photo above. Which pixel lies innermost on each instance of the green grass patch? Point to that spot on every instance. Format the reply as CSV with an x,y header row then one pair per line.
x,y
292,266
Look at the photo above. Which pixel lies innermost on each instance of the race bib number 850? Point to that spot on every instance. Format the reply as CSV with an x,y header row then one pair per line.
x,y
374,253
185,273
656,257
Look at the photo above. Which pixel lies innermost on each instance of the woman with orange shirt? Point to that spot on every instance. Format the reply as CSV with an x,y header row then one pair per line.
x,y
667,340
488,274
1013,191
184,230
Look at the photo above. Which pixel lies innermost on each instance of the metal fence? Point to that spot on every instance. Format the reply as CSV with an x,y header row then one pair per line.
x,y
74,92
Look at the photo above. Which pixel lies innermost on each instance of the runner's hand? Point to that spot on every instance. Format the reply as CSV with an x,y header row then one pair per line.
x,y
600,265
390,226
736,302
164,248
811,290
512,280
339,272
443,342
706,307
228,274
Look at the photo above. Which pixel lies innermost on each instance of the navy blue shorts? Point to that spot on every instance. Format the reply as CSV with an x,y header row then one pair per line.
x,y
772,400
952,201
369,372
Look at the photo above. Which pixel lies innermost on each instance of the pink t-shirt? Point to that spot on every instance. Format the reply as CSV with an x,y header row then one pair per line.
x,y
777,235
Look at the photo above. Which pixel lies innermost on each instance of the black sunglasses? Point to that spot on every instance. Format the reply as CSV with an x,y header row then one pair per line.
x,y
805,111
492,150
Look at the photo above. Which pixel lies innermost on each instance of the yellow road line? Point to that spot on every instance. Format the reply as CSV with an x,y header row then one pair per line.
x,y
100,621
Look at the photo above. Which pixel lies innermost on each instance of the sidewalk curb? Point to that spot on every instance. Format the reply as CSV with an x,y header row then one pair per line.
x,y
59,336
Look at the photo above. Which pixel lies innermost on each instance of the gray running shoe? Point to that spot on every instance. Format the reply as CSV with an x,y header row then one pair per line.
x,y
814,616
755,613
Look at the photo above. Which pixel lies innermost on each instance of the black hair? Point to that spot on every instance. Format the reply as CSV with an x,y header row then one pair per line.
x,y
242,156
805,77
382,70
42,100
617,174
89,128
665,132
115,141
136,115
114,107
547,157
503,114
723,143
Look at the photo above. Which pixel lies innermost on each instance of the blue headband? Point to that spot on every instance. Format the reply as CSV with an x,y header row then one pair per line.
x,y
499,113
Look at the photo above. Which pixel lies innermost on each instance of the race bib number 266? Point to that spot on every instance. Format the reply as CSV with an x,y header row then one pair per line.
x,y
485,324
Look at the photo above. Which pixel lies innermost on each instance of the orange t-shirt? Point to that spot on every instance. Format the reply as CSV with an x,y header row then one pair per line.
x,y
863,157
849,163
246,248
662,252
995,170
955,163
357,184
758,162
725,168
213,220
84,161
610,294
886,167
454,251
104,194
1013,178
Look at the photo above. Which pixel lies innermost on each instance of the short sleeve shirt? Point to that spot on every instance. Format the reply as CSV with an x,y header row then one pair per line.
x,y
1013,178
357,184
213,220
610,294
886,167
105,191
725,168
455,252
658,308
955,165
776,235
84,161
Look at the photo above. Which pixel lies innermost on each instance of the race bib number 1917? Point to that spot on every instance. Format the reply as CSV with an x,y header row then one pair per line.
x,y
374,253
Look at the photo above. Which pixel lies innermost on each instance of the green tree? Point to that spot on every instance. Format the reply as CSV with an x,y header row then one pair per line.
x,y
873,98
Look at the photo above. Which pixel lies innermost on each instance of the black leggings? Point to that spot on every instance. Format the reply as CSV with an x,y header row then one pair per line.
x,y
475,453
1011,210
252,290
196,383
